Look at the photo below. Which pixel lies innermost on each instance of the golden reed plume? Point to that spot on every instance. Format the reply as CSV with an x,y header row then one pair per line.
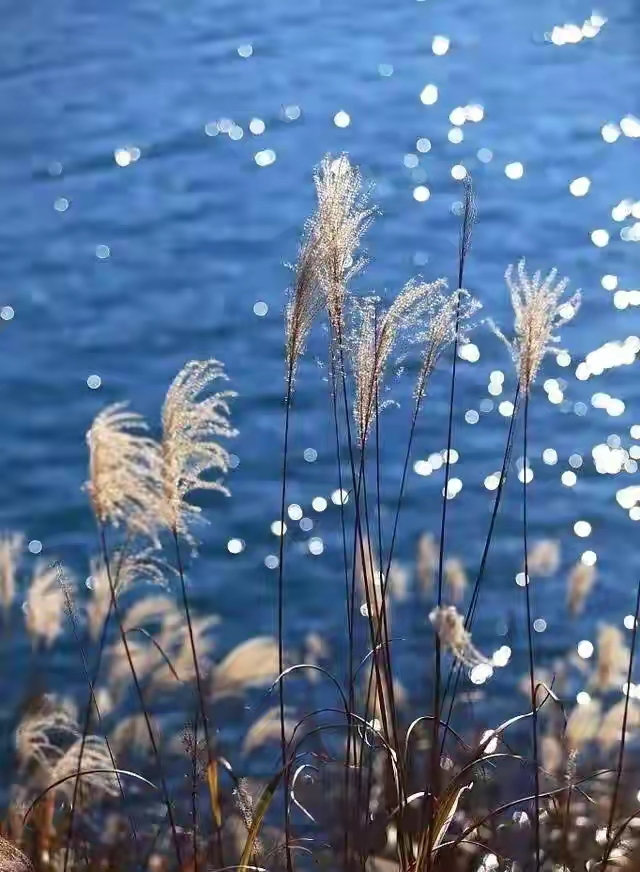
x,y
191,427
124,472
538,313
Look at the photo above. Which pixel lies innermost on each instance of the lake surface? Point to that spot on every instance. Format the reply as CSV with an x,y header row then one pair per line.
x,y
138,229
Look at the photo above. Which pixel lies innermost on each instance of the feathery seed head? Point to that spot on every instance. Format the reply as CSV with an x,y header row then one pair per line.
x,y
124,470
128,568
191,428
305,299
426,561
45,605
376,337
11,545
43,730
613,658
538,313
340,221
253,663
449,625
95,755
581,579
445,314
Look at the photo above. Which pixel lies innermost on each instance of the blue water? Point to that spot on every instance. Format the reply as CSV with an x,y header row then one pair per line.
x,y
197,232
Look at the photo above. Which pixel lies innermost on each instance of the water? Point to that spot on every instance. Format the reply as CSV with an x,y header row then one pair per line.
x,y
127,272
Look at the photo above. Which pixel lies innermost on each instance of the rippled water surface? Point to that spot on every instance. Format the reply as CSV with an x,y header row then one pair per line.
x,y
139,228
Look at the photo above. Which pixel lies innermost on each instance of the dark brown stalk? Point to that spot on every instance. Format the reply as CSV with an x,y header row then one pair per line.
x,y
623,735
456,668
94,701
199,689
357,480
91,701
469,218
532,680
347,777
283,500
143,706
194,791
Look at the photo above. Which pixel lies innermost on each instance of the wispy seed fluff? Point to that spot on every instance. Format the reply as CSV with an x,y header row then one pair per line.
x,y
124,467
11,544
449,625
341,219
538,313
438,331
190,431
375,338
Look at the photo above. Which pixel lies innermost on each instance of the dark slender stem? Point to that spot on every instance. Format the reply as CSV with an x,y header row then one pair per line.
x,y
91,700
435,747
283,501
85,667
136,681
194,792
350,665
456,668
199,688
532,679
625,715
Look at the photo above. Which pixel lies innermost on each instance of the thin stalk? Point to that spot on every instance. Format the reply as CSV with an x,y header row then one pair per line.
x,y
532,680
85,667
623,735
200,692
283,737
347,780
473,604
194,792
136,681
92,683
435,755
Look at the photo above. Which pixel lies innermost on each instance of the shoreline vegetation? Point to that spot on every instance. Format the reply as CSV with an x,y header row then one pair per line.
x,y
373,782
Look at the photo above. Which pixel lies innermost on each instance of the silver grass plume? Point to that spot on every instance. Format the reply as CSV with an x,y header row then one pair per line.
x,y
538,313
455,578
449,625
191,428
39,734
305,299
544,557
252,663
12,859
11,545
45,605
95,755
268,729
124,472
130,567
446,315
341,219
375,339
581,579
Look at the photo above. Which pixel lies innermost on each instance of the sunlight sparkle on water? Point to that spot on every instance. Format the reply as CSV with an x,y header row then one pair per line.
x,y
429,95
440,45
580,187
514,170
265,158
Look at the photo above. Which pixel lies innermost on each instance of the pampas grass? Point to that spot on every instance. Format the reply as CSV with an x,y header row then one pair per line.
x,y
11,545
253,663
358,785
192,426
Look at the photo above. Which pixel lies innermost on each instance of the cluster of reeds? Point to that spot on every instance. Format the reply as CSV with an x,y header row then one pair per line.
x,y
367,782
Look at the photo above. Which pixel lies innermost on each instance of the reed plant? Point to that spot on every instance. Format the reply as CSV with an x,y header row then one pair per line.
x,y
379,779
